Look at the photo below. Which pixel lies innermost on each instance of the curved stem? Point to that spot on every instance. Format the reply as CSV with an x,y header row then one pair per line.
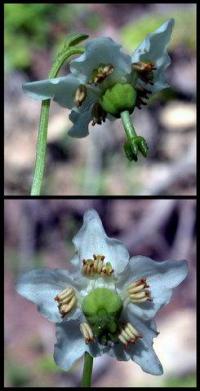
x,y
44,118
87,370
128,126
41,148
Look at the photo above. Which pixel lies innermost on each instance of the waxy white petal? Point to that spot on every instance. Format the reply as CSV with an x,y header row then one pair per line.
x,y
162,277
92,239
61,90
98,51
154,49
41,286
70,345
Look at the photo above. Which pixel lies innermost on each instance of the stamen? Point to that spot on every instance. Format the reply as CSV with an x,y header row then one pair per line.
x,y
98,114
87,332
64,294
65,308
80,95
138,292
101,73
97,266
130,327
144,67
140,300
122,339
129,334
138,295
66,301
136,288
125,335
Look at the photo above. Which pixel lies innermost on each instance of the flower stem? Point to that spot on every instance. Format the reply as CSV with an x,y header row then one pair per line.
x,y
87,370
128,126
44,118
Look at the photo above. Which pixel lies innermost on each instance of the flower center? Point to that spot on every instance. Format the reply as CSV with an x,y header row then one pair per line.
x,y
118,98
102,309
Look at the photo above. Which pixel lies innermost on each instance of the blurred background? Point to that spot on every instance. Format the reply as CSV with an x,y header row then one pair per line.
x,y
39,233
96,164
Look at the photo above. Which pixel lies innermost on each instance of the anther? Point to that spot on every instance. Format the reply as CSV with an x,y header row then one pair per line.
x,y
66,301
64,294
101,73
138,292
97,266
144,67
122,339
132,329
138,295
98,114
138,283
135,289
128,334
65,308
87,332
80,95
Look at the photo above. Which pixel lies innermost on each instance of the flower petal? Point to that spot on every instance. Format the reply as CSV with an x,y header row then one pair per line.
x,y
61,90
81,120
70,345
82,116
42,285
142,352
147,329
118,351
102,50
153,49
162,277
92,239
145,357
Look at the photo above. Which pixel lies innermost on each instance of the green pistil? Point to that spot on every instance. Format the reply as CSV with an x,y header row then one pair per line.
x,y
134,143
102,308
118,98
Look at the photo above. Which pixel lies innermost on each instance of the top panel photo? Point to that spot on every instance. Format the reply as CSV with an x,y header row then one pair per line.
x,y
100,99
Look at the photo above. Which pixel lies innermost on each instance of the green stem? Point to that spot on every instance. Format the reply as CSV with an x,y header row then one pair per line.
x,y
87,370
44,118
128,126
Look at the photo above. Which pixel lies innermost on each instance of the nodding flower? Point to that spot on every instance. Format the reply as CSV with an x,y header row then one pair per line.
x,y
104,82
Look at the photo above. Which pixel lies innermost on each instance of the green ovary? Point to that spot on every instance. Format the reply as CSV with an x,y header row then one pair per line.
x,y
118,98
102,308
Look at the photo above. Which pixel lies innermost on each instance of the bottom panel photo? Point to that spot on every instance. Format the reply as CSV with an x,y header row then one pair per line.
x,y
100,292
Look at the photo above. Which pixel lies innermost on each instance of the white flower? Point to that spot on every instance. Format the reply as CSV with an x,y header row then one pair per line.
x,y
87,89
108,303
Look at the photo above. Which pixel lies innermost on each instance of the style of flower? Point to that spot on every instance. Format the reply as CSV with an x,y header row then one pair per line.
x,y
105,83
108,303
